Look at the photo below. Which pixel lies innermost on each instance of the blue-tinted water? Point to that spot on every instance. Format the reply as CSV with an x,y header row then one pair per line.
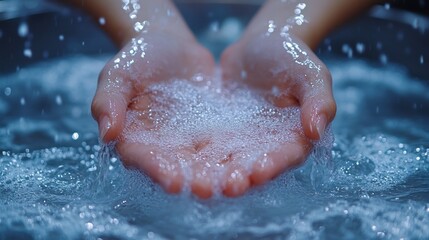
x,y
56,182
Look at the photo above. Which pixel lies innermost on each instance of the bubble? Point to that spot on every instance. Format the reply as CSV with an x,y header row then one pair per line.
x,y
61,37
215,123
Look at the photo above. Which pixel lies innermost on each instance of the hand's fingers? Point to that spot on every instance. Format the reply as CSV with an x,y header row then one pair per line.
x,y
276,162
237,180
202,177
230,63
318,106
110,103
203,61
149,159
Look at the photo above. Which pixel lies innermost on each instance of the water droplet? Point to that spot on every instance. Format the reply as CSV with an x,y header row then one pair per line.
x,y
102,21
75,136
243,74
383,58
140,26
345,48
151,235
7,91
58,100
360,47
28,53
89,226
214,26
271,27
23,29
198,78
415,23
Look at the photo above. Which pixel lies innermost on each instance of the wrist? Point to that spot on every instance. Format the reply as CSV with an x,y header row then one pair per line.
x,y
164,29
124,20
309,20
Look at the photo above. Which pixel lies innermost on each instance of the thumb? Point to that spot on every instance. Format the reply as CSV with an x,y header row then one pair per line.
x,y
318,106
109,104
230,63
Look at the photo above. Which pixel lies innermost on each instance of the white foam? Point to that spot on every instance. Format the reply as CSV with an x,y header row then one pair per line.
x,y
212,119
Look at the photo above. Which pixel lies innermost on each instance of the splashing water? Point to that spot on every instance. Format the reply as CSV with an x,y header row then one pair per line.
x,y
54,186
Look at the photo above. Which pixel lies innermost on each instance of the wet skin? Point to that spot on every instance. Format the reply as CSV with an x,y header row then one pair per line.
x,y
122,83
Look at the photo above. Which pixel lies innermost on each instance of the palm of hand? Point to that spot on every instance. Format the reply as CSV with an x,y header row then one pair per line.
x,y
187,134
190,164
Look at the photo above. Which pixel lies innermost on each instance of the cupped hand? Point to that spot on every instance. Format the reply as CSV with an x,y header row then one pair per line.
x,y
288,74
147,59
294,77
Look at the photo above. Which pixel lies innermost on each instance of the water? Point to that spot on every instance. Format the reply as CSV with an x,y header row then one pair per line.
x,y
209,128
56,182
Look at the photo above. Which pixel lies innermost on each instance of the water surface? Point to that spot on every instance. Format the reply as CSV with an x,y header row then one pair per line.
x,y
57,182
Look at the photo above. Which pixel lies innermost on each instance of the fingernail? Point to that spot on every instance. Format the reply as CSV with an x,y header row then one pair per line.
x,y
321,126
104,126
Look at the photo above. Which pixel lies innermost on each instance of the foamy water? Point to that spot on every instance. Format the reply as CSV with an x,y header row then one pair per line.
x,y
211,123
56,182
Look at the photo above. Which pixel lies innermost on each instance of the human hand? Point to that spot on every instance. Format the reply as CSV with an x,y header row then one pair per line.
x,y
145,60
289,74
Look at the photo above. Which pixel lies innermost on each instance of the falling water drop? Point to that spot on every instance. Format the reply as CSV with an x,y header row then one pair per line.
x,y
360,47
75,136
23,29
102,21
58,100
28,53
383,58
